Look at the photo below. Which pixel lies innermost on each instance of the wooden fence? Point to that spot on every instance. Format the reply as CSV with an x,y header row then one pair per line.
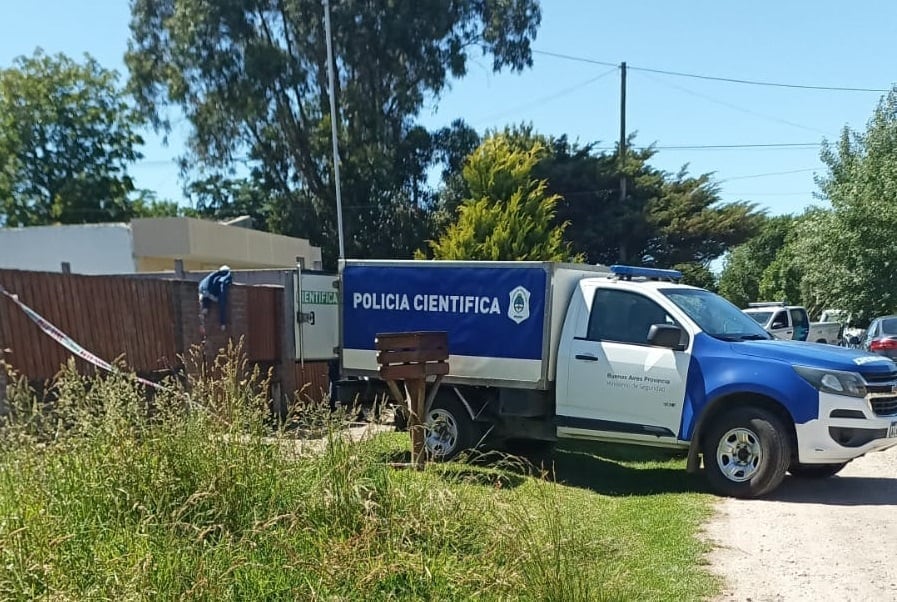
x,y
147,323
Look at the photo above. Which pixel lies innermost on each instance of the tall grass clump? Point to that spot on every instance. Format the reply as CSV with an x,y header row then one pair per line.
x,y
108,494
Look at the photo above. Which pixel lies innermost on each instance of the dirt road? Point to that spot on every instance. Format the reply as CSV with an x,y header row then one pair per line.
x,y
830,539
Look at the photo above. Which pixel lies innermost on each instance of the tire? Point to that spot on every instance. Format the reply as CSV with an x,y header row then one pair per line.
x,y
816,471
449,429
762,444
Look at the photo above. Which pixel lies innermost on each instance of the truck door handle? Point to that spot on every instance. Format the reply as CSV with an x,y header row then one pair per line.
x,y
586,357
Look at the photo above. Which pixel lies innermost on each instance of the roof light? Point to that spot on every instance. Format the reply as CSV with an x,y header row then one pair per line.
x,y
628,272
768,304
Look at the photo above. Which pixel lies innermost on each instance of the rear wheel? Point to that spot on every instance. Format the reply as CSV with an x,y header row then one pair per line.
x,y
746,452
449,429
816,471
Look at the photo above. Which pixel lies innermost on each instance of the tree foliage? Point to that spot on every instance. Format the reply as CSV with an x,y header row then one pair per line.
x,y
844,257
509,214
666,220
251,77
67,136
747,264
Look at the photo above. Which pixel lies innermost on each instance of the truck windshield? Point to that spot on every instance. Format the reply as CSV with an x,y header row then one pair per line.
x,y
761,317
716,316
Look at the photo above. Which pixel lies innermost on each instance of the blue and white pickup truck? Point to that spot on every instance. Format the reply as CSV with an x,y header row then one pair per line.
x,y
546,351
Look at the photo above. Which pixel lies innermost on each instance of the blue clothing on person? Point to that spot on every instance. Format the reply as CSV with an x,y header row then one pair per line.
x,y
214,288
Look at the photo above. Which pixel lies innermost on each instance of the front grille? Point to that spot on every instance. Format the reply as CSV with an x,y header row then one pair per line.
x,y
884,406
882,393
889,378
881,389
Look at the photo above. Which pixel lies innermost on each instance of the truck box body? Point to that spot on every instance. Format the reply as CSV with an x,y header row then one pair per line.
x,y
503,319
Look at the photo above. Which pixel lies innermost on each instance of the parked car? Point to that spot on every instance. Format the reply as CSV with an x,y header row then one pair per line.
x,y
791,322
881,336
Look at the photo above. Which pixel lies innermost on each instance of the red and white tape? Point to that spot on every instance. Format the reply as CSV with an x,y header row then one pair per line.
x,y
67,342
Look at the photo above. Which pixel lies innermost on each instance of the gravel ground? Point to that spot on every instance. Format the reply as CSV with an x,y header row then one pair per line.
x,y
829,539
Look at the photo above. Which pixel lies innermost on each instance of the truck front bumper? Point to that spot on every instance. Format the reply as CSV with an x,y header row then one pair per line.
x,y
846,428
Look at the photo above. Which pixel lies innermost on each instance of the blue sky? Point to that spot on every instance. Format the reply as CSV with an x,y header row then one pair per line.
x,y
824,43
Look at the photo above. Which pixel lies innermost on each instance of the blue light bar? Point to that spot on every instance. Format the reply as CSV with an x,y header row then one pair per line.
x,y
628,271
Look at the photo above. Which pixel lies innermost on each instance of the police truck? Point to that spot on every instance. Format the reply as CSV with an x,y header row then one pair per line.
x,y
548,351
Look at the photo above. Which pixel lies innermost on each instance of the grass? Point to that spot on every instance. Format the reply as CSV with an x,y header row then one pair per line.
x,y
103,498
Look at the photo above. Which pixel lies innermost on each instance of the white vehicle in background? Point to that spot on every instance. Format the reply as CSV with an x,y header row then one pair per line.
x,y
792,323
850,335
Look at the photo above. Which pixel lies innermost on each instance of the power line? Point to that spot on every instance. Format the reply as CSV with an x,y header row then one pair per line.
x,y
575,58
774,145
733,106
750,194
546,99
769,173
731,80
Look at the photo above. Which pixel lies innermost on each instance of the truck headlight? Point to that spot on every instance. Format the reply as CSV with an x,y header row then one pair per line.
x,y
833,381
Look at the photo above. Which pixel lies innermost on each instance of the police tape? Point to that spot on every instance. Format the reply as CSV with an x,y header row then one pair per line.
x,y
69,343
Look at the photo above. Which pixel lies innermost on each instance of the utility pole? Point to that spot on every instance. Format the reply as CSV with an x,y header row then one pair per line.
x,y
622,156
330,74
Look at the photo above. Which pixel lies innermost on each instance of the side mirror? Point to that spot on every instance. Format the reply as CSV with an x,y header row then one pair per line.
x,y
665,335
778,325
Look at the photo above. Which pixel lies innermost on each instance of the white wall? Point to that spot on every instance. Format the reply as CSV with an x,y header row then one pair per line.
x,y
90,249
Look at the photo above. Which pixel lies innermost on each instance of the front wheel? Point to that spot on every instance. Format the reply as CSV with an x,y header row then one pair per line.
x,y
746,452
816,471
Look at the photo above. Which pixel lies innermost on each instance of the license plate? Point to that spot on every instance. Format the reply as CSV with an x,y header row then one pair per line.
x,y
892,430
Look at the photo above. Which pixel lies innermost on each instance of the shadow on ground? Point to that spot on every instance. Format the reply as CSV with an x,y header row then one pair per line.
x,y
619,471
838,491
604,469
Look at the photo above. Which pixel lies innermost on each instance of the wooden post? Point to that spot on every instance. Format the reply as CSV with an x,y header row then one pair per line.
x,y
412,357
179,269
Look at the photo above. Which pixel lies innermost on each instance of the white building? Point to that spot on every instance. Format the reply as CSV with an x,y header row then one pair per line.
x,y
150,245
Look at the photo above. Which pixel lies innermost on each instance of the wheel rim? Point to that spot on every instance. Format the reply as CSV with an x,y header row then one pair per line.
x,y
739,454
442,432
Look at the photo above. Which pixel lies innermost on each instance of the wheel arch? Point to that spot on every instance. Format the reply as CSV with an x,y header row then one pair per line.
x,y
475,401
726,403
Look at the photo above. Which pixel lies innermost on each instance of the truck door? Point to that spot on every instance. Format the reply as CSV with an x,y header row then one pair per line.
x,y
317,315
617,383
780,326
800,322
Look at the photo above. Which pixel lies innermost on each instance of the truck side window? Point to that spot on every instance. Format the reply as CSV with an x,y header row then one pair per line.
x,y
780,320
799,319
624,317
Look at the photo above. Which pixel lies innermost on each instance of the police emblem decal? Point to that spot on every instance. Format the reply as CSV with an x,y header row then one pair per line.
x,y
518,308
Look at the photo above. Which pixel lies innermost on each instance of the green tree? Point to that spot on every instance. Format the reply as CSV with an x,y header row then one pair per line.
x,y
843,257
251,77
856,250
746,264
666,220
697,274
509,214
147,204
800,273
67,136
